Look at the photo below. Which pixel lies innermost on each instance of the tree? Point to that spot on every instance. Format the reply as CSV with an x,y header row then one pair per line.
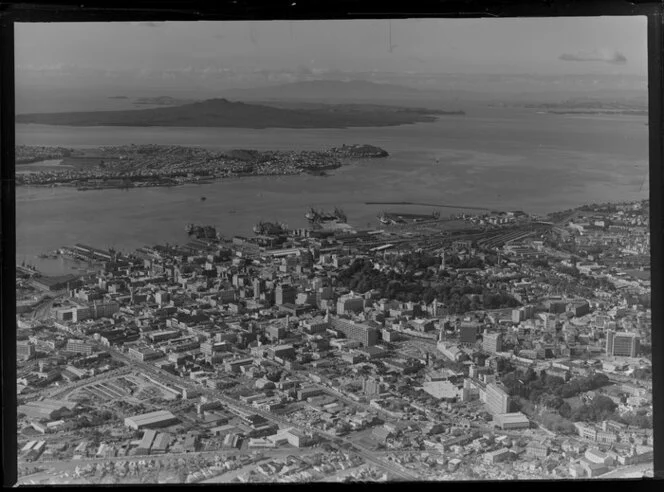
x,y
429,296
540,263
642,373
598,380
603,404
565,410
570,389
552,402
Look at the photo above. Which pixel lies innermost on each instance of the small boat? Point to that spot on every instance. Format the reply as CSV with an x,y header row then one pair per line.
x,y
203,198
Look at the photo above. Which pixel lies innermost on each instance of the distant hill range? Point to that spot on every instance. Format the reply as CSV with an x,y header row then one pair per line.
x,y
225,113
328,90
588,103
162,101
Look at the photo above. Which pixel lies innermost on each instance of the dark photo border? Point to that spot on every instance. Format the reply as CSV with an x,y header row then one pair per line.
x,y
182,10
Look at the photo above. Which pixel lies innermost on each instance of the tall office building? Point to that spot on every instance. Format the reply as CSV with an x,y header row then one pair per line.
x,y
372,386
492,342
284,294
518,315
467,334
347,305
497,399
550,322
436,309
78,347
25,350
365,334
622,344
258,285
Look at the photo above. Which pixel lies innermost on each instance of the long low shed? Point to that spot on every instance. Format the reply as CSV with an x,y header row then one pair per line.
x,y
160,418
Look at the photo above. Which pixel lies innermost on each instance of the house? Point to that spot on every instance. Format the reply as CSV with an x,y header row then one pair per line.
x,y
496,456
537,449
594,455
576,470
593,469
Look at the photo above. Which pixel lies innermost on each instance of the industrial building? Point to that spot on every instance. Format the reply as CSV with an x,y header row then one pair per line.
x,y
365,334
93,310
47,409
146,442
78,347
55,284
160,418
515,420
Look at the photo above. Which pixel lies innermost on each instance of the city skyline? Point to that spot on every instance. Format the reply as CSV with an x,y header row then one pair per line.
x,y
265,252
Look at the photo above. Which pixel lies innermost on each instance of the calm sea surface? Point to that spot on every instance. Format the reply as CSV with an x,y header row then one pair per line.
x,y
495,158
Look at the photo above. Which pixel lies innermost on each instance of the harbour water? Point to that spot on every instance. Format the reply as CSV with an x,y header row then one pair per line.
x,y
498,158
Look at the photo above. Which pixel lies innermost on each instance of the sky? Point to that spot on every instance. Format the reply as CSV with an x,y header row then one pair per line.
x,y
596,45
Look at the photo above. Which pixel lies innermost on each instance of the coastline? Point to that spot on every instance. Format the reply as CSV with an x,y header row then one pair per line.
x,y
150,166
147,184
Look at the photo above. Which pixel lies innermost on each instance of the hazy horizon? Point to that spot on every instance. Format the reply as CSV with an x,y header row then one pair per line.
x,y
561,54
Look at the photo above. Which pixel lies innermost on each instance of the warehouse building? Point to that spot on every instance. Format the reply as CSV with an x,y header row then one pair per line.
x,y
146,442
161,443
514,420
47,409
160,418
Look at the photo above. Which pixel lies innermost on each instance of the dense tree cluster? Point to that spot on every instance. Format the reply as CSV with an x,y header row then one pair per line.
x,y
414,283
637,419
556,423
578,284
599,408
550,391
643,373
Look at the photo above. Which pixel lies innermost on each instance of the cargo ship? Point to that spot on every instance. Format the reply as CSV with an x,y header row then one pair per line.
x,y
270,228
318,216
387,219
201,232
391,218
52,255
